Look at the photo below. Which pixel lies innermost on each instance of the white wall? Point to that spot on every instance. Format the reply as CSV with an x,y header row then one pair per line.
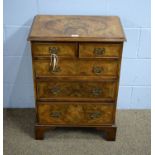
x,y
135,81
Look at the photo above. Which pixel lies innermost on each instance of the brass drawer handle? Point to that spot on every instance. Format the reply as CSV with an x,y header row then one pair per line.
x,y
97,69
53,50
55,114
54,60
96,114
99,51
54,63
97,91
55,90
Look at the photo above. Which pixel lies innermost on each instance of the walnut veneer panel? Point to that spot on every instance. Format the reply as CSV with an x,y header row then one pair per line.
x,y
75,113
76,90
76,28
61,49
100,50
76,67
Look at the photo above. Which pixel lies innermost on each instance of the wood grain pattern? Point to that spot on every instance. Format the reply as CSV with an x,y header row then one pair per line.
x,y
82,89
76,67
62,49
107,50
75,113
76,90
76,28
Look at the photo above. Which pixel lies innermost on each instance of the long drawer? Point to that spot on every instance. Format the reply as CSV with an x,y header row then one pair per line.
x,y
62,113
76,90
76,67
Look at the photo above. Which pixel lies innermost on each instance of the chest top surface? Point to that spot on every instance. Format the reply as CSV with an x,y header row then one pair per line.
x,y
76,28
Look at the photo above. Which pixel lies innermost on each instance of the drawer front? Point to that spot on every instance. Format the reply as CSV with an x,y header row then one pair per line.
x,y
65,90
60,49
77,67
75,113
99,50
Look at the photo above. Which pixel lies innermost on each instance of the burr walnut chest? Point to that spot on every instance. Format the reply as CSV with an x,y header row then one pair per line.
x,y
76,69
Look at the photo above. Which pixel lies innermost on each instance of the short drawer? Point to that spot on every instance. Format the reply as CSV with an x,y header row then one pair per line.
x,y
75,113
60,49
66,67
76,90
100,50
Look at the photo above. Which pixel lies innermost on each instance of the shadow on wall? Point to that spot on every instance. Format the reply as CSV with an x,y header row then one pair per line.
x,y
18,79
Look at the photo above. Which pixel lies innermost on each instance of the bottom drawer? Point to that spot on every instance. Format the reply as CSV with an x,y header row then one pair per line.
x,y
75,113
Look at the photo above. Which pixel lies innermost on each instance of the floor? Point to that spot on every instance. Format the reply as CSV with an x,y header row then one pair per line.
x,y
133,136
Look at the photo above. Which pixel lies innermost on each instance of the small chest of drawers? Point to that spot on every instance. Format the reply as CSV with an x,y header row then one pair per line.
x,y
76,69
